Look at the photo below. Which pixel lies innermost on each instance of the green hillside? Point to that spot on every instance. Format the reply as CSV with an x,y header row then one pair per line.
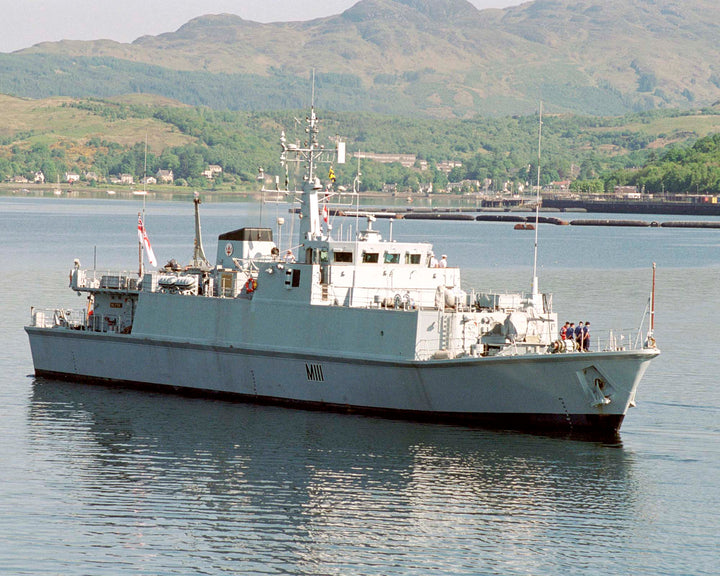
x,y
439,58
108,137
678,171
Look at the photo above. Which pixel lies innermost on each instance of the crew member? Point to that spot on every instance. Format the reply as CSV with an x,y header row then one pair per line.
x,y
563,331
579,335
586,337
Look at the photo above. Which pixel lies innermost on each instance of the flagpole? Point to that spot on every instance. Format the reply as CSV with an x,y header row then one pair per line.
x,y
141,216
140,248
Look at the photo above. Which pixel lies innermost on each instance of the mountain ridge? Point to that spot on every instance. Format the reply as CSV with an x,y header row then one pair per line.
x,y
442,58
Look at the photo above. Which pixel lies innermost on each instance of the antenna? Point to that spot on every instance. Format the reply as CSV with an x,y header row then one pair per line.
x,y
311,153
145,174
356,191
312,98
652,303
535,288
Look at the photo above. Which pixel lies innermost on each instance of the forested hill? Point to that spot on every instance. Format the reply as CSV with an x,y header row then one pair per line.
x,y
140,135
678,170
441,58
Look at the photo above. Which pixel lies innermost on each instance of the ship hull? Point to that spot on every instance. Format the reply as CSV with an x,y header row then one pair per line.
x,y
567,393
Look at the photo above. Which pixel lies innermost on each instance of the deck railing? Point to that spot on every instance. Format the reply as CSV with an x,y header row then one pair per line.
x,y
112,279
50,317
76,319
611,341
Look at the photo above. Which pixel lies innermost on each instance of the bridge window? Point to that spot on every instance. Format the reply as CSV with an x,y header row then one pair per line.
x,y
391,258
343,257
412,258
370,257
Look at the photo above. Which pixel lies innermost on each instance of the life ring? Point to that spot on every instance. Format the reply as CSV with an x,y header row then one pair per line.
x,y
250,285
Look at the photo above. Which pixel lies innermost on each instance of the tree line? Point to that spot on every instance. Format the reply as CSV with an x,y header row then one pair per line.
x,y
678,170
597,153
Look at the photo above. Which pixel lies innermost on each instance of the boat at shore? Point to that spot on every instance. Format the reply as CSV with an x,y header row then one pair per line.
x,y
362,325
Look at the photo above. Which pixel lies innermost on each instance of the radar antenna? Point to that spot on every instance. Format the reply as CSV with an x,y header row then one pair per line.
x,y
310,153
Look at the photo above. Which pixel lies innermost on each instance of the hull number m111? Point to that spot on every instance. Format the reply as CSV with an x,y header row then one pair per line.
x,y
314,372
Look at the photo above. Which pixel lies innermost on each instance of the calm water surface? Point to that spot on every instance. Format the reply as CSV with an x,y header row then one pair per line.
x,y
96,480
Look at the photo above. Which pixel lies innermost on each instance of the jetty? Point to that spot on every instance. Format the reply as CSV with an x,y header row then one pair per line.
x,y
463,214
691,205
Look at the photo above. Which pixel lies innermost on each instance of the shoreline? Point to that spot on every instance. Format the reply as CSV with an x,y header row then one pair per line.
x,y
434,206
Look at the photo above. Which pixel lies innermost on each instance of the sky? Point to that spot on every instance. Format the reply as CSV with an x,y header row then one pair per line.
x,y
27,22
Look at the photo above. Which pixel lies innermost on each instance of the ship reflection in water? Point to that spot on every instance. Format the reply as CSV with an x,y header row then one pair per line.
x,y
253,489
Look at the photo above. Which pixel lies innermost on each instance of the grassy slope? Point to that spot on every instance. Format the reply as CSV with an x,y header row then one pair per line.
x,y
26,121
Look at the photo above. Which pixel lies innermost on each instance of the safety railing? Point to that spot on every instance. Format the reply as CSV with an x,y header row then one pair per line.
x,y
606,341
610,341
615,340
105,279
370,297
77,319
50,317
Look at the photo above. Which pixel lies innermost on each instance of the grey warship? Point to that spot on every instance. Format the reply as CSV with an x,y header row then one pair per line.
x,y
362,325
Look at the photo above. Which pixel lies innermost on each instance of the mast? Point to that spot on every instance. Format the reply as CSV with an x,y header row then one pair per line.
x,y
311,153
652,303
310,224
535,287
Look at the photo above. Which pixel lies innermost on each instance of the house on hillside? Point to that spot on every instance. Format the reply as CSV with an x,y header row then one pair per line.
x,y
19,180
165,176
447,165
71,177
39,178
464,186
149,180
91,177
560,185
127,179
212,171
406,160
